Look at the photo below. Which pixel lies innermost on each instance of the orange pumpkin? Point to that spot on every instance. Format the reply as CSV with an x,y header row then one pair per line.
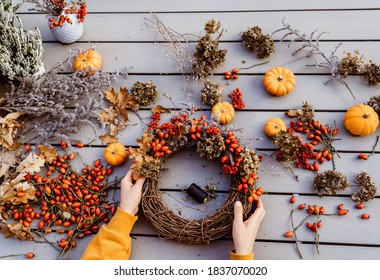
x,y
274,126
279,81
224,111
115,154
88,59
361,120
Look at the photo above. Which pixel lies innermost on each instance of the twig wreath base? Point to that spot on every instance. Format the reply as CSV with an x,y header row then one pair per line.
x,y
202,231
210,140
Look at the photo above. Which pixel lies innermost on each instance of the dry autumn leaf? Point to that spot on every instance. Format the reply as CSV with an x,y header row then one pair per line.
x,y
49,153
16,230
8,133
108,139
7,160
32,164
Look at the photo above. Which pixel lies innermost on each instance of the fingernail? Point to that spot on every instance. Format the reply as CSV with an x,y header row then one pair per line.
x,y
238,203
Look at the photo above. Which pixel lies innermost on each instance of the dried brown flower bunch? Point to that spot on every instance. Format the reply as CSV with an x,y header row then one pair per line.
x,y
374,102
367,190
305,114
144,93
372,73
211,93
329,182
211,147
207,53
351,63
289,146
255,40
250,162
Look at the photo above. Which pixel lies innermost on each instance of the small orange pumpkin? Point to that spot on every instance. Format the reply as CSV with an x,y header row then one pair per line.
x,y
279,81
274,126
361,120
224,111
88,59
115,154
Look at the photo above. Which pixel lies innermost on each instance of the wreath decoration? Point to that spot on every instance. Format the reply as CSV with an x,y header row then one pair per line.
x,y
210,140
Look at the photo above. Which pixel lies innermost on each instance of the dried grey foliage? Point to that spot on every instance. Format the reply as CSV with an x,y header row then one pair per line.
x,y
59,104
20,49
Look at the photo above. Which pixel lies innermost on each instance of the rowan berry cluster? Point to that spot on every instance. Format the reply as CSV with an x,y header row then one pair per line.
x,y
237,99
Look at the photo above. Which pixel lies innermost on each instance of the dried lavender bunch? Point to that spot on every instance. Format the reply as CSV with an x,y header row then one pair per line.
x,y
254,39
62,102
367,190
372,73
374,102
211,93
310,44
211,147
20,49
207,54
329,182
351,63
144,93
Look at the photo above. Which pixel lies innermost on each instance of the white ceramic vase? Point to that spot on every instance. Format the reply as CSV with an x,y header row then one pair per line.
x,y
68,33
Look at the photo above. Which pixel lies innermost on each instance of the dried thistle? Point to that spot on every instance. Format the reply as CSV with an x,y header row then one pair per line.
x,y
374,102
211,147
350,64
329,182
372,73
207,54
289,146
305,114
211,93
144,93
367,190
254,39
310,44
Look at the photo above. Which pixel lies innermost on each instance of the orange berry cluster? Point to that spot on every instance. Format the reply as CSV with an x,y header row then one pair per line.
x,y
59,21
159,148
237,99
197,128
231,75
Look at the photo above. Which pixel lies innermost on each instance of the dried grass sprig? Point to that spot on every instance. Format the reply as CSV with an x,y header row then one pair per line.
x,y
311,45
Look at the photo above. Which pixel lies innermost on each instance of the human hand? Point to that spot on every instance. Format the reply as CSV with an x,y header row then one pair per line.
x,y
130,195
244,232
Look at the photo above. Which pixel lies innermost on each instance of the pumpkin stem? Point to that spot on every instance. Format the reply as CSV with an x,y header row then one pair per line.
x,y
280,78
366,115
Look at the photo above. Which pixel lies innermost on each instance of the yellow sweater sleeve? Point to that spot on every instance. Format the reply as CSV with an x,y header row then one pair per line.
x,y
234,256
113,241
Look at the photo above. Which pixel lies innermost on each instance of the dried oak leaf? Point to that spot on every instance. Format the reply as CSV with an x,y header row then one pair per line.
x,y
305,114
8,191
108,139
16,230
49,153
161,109
8,133
32,164
8,160
147,166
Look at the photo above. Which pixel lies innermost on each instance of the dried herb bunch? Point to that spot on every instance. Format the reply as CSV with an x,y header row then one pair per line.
x,y
351,64
311,45
211,93
144,93
329,182
207,54
262,44
20,49
367,188
374,102
60,104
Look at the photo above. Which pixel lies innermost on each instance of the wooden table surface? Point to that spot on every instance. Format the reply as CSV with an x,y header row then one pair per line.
x,y
121,33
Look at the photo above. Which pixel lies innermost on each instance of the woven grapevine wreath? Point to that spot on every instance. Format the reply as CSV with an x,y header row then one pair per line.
x,y
210,140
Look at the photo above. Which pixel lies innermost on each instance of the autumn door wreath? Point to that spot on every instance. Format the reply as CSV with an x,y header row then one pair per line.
x,y
210,140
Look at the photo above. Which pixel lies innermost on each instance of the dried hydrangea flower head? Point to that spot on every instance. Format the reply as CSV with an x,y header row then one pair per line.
x,y
372,73
289,146
144,93
367,190
211,147
211,93
262,44
207,54
350,64
305,114
374,102
329,182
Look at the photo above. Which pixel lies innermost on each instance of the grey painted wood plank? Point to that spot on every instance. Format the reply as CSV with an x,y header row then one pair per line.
x,y
139,27
218,6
